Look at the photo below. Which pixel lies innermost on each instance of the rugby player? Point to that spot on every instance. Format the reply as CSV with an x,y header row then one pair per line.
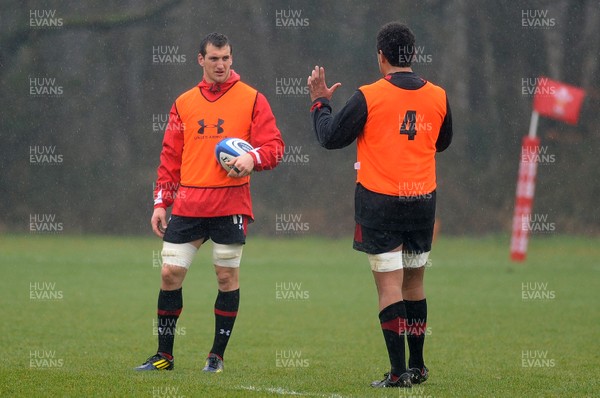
x,y
208,202
399,123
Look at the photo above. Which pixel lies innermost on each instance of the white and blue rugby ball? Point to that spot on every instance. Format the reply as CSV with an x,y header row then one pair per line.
x,y
229,148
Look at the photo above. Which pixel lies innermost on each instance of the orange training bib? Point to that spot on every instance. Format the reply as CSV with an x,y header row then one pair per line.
x,y
205,123
396,150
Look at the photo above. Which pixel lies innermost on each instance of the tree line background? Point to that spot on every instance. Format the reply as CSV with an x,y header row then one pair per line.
x,y
105,119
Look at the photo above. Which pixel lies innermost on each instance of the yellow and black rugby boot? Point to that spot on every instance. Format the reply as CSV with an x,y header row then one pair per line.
x,y
157,362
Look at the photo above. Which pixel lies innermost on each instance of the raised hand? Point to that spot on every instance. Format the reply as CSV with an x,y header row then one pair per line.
x,y
317,86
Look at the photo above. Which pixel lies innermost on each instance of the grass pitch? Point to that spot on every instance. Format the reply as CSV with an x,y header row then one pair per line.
x,y
78,315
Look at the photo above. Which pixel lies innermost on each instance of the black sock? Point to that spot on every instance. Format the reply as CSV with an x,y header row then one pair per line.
x,y
170,304
416,326
226,308
393,320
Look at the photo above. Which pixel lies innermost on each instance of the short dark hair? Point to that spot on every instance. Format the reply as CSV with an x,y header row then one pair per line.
x,y
397,43
216,39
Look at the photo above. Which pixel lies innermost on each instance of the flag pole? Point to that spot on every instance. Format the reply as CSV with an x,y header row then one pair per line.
x,y
525,191
533,124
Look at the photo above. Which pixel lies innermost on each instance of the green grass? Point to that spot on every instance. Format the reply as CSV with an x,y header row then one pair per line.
x,y
479,323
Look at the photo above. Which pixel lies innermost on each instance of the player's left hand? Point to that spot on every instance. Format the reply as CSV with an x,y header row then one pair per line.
x,y
317,85
241,166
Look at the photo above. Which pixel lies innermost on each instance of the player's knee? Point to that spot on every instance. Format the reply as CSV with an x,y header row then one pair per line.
x,y
228,256
386,262
227,280
172,275
178,254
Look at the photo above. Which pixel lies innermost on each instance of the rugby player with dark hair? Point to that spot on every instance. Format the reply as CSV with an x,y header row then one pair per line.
x,y
399,123
208,202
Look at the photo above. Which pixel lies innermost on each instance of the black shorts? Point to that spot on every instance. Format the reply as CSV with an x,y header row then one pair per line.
x,y
224,230
375,241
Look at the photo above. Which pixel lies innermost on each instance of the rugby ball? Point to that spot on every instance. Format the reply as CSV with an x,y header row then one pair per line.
x,y
229,148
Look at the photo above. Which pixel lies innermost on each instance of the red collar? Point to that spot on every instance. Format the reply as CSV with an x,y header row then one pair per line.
x,y
214,90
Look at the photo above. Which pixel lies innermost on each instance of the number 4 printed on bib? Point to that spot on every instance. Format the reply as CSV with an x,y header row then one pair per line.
x,y
408,125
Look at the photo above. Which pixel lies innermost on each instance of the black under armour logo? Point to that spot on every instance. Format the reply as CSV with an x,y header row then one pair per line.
x,y
220,122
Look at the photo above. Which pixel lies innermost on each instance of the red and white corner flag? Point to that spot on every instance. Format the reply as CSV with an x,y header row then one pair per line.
x,y
524,199
552,99
558,100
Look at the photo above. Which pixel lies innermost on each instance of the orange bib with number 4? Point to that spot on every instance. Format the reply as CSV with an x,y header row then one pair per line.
x,y
396,150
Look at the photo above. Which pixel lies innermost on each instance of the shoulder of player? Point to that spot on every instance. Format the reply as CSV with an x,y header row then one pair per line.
x,y
245,86
188,93
376,84
434,86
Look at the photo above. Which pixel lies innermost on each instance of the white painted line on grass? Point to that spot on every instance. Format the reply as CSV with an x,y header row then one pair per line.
x,y
283,391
